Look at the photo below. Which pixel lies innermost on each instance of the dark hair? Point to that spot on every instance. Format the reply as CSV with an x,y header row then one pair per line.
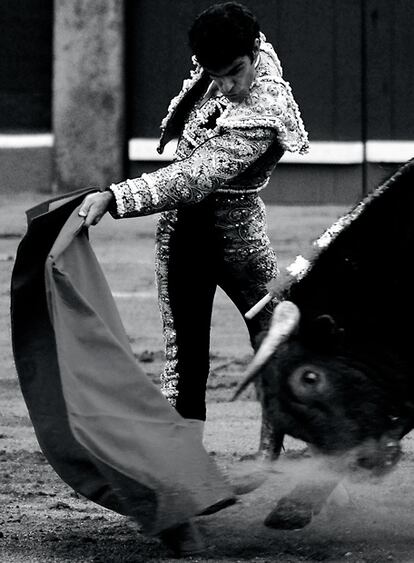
x,y
222,33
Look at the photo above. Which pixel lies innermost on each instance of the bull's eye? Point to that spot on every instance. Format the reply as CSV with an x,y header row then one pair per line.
x,y
308,381
310,377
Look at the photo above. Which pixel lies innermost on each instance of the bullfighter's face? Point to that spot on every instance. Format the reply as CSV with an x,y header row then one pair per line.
x,y
234,80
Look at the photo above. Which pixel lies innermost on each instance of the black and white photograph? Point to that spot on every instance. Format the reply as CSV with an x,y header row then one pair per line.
x,y
206,232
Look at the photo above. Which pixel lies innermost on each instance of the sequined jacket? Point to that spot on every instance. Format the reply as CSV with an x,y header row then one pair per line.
x,y
223,147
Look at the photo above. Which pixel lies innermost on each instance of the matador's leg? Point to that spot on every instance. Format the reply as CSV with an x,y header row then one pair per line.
x,y
248,265
186,290
271,434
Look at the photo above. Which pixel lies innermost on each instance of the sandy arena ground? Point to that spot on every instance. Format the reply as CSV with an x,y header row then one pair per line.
x,y
43,520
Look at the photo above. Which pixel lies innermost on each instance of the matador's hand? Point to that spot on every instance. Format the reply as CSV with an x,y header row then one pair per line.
x,y
95,206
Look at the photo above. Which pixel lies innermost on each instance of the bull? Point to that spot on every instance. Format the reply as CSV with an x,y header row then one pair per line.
x,y
340,345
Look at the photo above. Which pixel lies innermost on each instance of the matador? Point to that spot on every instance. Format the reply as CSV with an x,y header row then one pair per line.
x,y
234,118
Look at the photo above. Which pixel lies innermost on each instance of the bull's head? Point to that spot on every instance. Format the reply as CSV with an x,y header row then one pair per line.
x,y
325,398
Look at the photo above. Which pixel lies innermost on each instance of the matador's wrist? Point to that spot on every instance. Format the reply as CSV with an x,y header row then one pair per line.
x,y
111,198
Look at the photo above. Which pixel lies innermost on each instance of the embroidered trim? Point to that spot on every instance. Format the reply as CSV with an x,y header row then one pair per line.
x,y
169,376
119,200
129,196
195,75
237,190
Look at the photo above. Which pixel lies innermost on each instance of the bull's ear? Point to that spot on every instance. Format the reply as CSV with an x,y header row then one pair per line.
x,y
325,334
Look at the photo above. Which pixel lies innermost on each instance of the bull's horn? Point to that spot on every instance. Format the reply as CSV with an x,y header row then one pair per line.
x,y
285,319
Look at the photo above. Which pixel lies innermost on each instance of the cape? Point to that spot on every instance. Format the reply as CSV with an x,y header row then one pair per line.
x,y
102,424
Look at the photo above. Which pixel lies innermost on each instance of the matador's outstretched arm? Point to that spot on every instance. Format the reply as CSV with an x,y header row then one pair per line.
x,y
187,181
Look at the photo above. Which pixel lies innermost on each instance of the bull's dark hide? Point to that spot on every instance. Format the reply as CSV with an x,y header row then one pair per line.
x,y
101,423
341,374
346,374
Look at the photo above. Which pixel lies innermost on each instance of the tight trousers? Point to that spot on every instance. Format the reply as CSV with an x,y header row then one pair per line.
x,y
221,241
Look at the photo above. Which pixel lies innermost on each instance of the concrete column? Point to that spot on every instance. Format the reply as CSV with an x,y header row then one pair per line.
x,y
88,93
